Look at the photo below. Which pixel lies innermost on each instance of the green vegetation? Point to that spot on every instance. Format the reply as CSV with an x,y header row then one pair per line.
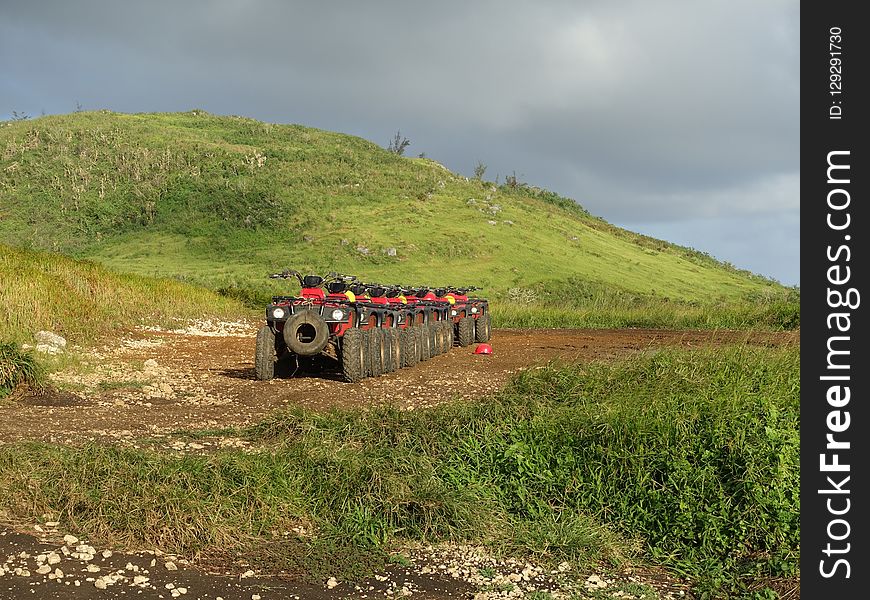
x,y
575,304
17,367
225,200
83,300
695,453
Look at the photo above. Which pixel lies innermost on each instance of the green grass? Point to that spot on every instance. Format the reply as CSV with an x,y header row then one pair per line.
x,y
529,308
226,200
84,301
693,454
17,367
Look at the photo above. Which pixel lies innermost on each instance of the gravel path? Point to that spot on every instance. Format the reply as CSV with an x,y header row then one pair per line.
x,y
43,565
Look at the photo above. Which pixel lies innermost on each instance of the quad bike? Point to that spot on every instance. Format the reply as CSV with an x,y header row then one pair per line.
x,y
469,317
370,328
479,329
430,319
325,318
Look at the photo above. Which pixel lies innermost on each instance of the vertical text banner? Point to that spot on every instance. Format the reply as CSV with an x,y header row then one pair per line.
x,y
835,368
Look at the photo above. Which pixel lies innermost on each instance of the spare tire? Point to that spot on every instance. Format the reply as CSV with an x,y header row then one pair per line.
x,y
306,333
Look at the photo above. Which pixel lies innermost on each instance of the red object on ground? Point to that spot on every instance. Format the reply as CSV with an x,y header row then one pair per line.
x,y
483,349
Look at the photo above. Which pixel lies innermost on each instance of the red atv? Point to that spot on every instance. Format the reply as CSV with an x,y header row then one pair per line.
x,y
470,315
429,317
382,321
359,333
371,329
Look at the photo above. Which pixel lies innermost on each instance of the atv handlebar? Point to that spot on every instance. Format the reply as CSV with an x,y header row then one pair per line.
x,y
328,278
333,277
287,274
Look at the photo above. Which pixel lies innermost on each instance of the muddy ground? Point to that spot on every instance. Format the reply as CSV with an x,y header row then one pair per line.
x,y
156,382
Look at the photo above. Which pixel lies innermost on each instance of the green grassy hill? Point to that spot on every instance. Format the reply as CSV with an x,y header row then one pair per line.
x,y
226,200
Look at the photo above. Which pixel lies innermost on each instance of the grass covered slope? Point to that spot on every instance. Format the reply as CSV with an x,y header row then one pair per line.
x,y
693,453
83,300
226,200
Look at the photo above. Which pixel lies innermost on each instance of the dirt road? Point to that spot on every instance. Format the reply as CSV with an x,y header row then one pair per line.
x,y
202,377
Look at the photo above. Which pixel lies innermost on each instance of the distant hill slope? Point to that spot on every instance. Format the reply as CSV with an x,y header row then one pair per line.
x,y
226,200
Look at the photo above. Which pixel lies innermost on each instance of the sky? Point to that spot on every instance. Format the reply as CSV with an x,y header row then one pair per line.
x,y
674,118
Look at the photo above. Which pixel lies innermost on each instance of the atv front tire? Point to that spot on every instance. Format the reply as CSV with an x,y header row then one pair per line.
x,y
405,341
445,337
412,346
392,351
433,340
353,356
264,356
483,328
376,351
425,349
465,331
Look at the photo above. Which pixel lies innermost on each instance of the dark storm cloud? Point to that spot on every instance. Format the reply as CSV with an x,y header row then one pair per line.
x,y
642,111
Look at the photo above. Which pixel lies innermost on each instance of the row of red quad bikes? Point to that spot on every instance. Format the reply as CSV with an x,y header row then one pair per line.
x,y
372,329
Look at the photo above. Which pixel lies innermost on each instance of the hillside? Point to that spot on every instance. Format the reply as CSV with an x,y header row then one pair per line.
x,y
83,300
226,200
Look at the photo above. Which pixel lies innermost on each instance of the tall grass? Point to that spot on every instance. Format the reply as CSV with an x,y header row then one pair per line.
x,y
579,303
17,367
695,454
653,314
83,300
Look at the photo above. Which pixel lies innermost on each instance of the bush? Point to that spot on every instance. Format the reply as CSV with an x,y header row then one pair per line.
x,y
696,452
17,367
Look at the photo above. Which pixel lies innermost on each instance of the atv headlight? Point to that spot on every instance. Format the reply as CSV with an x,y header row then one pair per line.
x,y
474,309
338,314
277,313
453,313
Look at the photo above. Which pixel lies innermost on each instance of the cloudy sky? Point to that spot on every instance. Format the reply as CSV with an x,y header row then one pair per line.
x,y
675,118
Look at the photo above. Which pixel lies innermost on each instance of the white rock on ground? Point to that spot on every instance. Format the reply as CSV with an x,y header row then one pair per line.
x,y
49,343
